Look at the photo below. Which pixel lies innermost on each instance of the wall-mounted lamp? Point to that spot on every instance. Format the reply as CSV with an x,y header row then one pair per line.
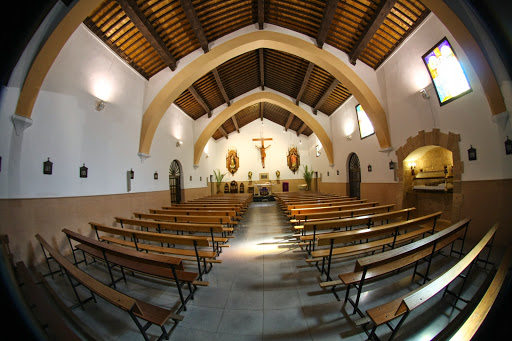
x,y
83,171
369,168
424,94
100,105
179,143
508,147
47,167
155,176
337,172
413,166
471,153
391,165
300,141
349,137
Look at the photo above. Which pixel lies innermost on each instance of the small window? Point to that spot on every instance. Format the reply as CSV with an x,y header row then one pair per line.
x,y
365,125
446,73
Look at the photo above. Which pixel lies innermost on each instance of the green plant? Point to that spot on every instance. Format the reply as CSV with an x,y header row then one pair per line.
x,y
308,176
218,178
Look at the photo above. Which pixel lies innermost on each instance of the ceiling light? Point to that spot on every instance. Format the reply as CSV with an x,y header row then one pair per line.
x,y
100,105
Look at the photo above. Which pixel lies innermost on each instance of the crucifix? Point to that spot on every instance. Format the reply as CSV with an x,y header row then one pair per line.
x,y
262,149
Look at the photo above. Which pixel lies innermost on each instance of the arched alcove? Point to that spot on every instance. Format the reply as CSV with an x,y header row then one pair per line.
x,y
354,175
176,182
431,151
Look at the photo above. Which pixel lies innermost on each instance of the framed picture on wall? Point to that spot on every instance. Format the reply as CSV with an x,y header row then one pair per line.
x,y
263,176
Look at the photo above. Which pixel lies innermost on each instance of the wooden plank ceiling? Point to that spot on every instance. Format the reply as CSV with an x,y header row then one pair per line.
x,y
151,35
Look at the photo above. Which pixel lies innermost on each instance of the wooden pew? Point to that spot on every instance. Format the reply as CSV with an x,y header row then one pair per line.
x,y
348,204
365,220
137,309
181,218
404,305
217,213
302,218
400,232
197,242
236,208
161,266
475,320
211,229
383,263
321,203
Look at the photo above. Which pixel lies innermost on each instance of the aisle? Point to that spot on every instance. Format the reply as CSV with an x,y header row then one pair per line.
x,y
263,290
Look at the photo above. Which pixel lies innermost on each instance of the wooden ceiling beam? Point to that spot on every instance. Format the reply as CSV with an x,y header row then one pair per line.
x,y
200,101
147,30
329,10
192,17
235,123
261,13
301,129
380,14
262,69
289,121
325,95
304,82
261,111
223,132
221,87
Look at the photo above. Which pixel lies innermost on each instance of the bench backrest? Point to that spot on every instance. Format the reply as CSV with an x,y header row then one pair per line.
x,y
345,213
184,218
152,236
439,239
348,204
321,203
115,297
359,220
194,212
124,252
201,208
193,227
381,230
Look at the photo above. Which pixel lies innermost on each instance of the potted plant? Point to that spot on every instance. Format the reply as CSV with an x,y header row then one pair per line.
x,y
218,179
308,176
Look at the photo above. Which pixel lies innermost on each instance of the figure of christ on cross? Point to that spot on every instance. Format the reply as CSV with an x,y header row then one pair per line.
x,y
262,149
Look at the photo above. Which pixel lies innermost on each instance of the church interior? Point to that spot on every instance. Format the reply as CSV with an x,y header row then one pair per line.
x,y
119,114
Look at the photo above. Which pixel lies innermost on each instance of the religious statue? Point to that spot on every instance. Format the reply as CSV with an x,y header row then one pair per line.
x,y
293,159
232,162
250,175
262,149
278,174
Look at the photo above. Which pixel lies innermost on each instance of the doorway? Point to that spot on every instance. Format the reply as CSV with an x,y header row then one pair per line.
x,y
354,176
175,182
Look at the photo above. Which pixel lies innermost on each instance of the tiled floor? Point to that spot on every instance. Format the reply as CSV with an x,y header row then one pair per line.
x,y
264,290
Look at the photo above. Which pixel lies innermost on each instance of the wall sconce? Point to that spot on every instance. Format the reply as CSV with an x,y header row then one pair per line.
x,y
47,167
424,94
349,137
83,171
337,172
369,168
391,165
132,174
508,147
413,166
155,176
179,143
471,153
100,105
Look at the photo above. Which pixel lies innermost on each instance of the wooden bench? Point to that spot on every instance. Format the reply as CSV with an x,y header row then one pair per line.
x,y
137,239
211,229
296,212
159,266
137,309
217,213
183,218
285,203
366,220
321,203
388,235
374,266
404,305
205,207
479,314
302,218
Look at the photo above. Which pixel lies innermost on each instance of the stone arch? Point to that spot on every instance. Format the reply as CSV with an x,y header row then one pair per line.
x,y
449,141
249,42
269,97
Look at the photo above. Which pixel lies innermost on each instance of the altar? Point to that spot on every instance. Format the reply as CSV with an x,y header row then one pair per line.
x,y
264,189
